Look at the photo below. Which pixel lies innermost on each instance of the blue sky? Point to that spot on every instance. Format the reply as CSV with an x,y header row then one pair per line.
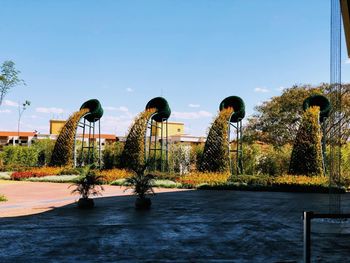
x,y
194,53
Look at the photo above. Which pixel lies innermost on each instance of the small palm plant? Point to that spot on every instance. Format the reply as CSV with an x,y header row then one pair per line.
x,y
89,183
142,185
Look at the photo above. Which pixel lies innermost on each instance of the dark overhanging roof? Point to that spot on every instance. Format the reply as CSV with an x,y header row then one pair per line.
x,y
345,5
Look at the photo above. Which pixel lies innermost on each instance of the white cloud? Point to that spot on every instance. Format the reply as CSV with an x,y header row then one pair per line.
x,y
193,105
129,90
110,108
5,111
191,115
117,124
280,88
10,103
261,90
49,110
259,103
121,108
347,61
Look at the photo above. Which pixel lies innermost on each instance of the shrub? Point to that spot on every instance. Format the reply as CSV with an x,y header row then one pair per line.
x,y
45,170
111,155
114,174
195,178
55,179
84,156
345,161
20,156
69,171
196,156
62,153
13,167
253,179
89,183
24,175
273,161
133,154
301,180
165,175
250,158
5,176
44,148
156,183
215,154
3,198
180,158
307,154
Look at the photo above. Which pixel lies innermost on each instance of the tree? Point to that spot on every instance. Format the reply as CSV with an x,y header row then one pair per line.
x,y
216,156
306,156
277,120
9,78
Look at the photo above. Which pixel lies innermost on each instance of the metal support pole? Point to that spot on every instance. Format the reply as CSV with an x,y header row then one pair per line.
x,y
307,216
99,144
88,159
93,144
145,143
229,146
75,150
166,146
161,146
240,147
324,149
82,145
155,147
237,149
150,140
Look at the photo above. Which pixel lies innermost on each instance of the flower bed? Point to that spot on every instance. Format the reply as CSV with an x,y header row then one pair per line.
x,y
28,174
43,171
112,175
195,178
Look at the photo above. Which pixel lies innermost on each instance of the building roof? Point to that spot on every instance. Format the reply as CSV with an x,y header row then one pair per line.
x,y
32,134
186,138
14,133
345,10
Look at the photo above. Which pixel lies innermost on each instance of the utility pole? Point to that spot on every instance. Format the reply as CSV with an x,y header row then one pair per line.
x,y
21,108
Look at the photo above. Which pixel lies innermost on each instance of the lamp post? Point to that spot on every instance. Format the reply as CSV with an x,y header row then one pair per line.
x,y
21,108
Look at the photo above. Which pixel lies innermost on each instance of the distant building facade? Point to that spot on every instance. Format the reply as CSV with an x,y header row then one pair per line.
x,y
175,135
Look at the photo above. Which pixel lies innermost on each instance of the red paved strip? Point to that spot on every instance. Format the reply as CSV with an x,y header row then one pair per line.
x,y
25,198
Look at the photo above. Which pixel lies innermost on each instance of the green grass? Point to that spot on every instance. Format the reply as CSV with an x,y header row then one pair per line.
x,y
3,198
55,179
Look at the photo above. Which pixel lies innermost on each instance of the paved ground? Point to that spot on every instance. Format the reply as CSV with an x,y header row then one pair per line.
x,y
184,226
25,198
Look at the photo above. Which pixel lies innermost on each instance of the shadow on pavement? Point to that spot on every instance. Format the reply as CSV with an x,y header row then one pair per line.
x,y
187,226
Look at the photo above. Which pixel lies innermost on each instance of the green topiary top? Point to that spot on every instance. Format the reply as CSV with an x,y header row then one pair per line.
x,y
95,110
162,108
238,106
320,101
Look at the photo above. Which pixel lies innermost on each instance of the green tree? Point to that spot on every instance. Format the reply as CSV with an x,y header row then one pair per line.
x,y
306,156
111,155
44,148
215,156
277,120
9,78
